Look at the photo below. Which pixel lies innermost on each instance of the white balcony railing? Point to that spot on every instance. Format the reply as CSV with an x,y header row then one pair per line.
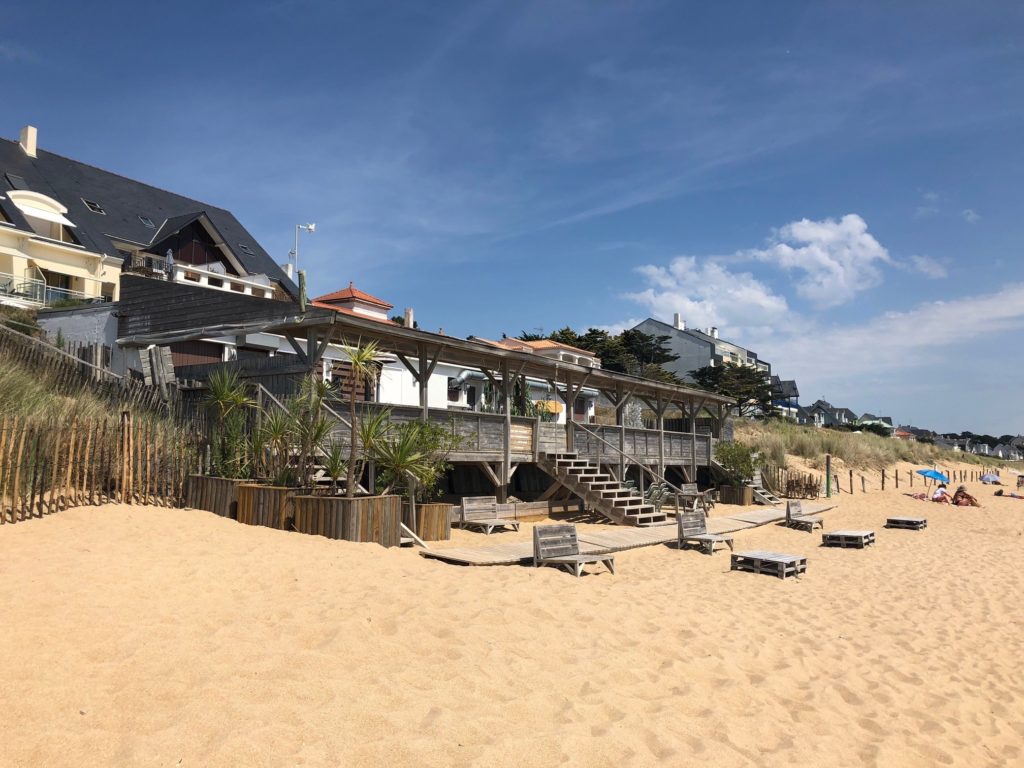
x,y
188,274
37,293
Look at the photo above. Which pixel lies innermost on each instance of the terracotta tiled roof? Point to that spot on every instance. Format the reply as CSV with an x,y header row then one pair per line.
x,y
347,311
352,294
549,344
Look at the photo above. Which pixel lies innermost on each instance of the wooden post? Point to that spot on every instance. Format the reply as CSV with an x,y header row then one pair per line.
x,y
828,475
506,463
863,485
851,481
883,479
896,474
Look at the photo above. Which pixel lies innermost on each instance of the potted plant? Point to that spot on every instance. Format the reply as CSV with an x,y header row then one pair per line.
x,y
230,408
737,460
412,458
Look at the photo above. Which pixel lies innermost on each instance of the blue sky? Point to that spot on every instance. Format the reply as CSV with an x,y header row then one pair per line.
x,y
835,185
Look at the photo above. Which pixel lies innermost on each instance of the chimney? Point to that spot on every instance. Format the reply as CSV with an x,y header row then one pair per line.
x,y
288,270
410,318
714,333
678,322
28,140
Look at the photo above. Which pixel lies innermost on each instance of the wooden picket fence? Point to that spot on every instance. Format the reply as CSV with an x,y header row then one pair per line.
x,y
69,374
46,467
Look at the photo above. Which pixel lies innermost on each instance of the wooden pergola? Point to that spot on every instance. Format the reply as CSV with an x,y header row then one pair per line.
x,y
310,333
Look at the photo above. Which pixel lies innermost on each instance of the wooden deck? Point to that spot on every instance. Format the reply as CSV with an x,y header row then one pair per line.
x,y
599,540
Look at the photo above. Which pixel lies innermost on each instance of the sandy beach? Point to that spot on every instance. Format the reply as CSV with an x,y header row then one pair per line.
x,y
159,637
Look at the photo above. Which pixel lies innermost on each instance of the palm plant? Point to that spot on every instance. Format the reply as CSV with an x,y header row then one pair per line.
x,y
229,401
362,372
404,462
335,463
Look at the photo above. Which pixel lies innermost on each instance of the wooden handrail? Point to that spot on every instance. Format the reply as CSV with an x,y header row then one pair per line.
x,y
645,468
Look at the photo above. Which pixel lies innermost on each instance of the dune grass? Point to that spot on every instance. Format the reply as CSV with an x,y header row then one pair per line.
x,y
776,439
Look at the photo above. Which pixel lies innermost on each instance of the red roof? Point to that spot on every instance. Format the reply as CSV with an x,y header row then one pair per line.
x,y
352,294
348,311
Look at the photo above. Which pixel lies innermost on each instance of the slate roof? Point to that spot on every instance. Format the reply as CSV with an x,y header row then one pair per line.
x,y
124,200
784,388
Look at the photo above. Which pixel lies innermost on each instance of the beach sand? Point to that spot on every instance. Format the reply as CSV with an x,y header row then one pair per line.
x,y
157,637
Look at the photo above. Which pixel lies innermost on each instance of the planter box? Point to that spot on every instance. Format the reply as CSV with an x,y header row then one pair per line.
x,y
373,519
433,521
742,495
269,505
214,494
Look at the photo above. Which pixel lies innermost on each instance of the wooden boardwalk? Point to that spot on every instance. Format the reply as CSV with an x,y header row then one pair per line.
x,y
599,540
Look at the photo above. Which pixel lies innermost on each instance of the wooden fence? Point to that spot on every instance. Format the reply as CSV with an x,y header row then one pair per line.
x,y
46,466
70,375
794,484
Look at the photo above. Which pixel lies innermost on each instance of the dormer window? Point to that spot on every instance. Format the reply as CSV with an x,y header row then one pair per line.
x,y
145,220
95,207
45,215
245,249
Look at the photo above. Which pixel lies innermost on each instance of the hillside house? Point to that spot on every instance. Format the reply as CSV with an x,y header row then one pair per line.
x,y
68,230
698,348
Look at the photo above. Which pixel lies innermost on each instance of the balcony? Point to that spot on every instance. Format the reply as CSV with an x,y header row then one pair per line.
x,y
156,266
19,291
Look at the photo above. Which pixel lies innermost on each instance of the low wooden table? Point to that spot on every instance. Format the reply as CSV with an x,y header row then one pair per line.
x,y
773,563
848,539
909,523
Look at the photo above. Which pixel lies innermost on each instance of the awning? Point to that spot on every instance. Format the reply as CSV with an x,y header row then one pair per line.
x,y
42,213
549,406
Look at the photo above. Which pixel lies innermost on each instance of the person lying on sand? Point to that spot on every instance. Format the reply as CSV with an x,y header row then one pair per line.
x,y
941,495
1011,495
963,499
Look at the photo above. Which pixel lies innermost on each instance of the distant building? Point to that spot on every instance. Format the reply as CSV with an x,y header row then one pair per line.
x,y
785,396
699,348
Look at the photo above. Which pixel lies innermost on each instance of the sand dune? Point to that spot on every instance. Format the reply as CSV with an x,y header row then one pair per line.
x,y
143,636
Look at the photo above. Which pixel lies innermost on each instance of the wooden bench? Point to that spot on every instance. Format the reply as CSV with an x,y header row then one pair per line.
x,y
909,523
848,539
693,527
481,512
557,545
691,497
795,518
773,563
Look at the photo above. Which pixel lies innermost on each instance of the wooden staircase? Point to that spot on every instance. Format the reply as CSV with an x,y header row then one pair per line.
x,y
600,491
761,494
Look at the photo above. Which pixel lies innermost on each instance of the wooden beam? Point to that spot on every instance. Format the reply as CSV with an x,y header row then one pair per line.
x,y
409,366
513,470
299,351
489,472
550,491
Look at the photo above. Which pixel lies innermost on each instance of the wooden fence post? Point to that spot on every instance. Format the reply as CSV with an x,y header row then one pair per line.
x,y
883,479
851,481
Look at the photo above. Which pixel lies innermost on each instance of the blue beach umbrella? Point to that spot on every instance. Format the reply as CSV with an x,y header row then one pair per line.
x,y
934,474
990,478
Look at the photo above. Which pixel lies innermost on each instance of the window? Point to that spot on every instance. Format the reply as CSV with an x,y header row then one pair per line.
x,y
454,391
147,221
93,206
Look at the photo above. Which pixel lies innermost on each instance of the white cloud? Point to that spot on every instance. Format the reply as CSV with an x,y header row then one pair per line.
x,y
931,197
919,338
925,212
970,216
928,267
705,292
837,258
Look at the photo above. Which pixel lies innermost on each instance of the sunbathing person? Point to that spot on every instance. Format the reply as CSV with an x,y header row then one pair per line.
x,y
941,495
963,499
